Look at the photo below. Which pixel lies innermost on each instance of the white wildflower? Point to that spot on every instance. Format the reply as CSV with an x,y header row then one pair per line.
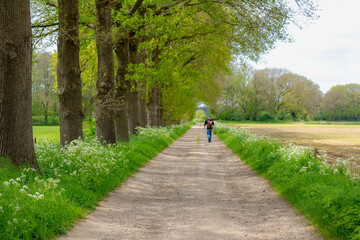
x,y
6,183
15,220
22,191
30,195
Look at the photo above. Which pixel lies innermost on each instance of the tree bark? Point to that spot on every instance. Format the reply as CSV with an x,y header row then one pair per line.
x,y
142,105
16,135
104,94
153,107
46,116
133,93
142,95
68,72
121,114
161,114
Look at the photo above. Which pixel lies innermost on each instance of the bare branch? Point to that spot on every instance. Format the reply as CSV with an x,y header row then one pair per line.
x,y
46,34
166,7
89,25
45,25
50,3
135,7
192,58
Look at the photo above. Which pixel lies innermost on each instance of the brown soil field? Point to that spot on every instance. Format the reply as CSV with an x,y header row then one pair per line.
x,y
339,141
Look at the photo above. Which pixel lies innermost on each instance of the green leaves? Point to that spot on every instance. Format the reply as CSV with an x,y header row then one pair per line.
x,y
187,44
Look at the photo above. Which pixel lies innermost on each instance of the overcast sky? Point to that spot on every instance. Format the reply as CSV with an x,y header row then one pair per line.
x,y
327,51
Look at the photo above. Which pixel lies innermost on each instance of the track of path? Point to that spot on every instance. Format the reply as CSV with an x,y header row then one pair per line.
x,y
194,190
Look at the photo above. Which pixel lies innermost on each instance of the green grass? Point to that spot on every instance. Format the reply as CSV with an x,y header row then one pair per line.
x,y
49,133
74,180
329,196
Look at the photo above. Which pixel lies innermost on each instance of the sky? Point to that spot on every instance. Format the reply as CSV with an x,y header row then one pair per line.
x,y
326,51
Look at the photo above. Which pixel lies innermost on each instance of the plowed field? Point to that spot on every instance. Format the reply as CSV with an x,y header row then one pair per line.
x,y
340,141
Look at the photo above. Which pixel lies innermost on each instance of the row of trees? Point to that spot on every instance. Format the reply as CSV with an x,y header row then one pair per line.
x,y
266,94
341,103
167,56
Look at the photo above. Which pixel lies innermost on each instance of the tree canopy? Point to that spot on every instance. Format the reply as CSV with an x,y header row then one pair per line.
x,y
186,44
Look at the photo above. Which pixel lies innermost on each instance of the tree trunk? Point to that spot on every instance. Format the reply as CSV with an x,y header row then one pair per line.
x,y
142,94
46,116
161,116
68,73
133,108
153,107
104,94
16,135
142,106
133,93
121,116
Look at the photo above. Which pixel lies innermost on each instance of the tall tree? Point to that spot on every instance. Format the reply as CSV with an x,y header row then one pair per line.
x,y
68,72
104,102
133,90
16,136
121,114
126,52
142,95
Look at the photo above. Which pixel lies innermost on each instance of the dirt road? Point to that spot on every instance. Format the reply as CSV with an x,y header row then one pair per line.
x,y
194,190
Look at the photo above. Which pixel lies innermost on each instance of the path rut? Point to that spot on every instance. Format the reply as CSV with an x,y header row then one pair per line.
x,y
194,191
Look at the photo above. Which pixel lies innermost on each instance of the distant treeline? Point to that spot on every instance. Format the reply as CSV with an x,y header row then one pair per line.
x,y
268,94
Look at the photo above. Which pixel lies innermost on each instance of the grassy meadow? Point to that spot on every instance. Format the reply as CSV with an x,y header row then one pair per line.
x,y
339,140
48,133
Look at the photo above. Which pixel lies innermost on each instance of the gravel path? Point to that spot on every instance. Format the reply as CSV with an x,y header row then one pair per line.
x,y
194,190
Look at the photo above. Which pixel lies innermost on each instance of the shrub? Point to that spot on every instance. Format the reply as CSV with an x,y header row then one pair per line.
x,y
266,116
230,115
284,116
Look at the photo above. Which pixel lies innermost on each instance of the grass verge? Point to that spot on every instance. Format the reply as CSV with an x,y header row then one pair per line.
x,y
74,179
329,196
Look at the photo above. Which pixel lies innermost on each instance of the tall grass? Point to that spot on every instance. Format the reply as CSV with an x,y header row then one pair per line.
x,y
74,179
327,195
